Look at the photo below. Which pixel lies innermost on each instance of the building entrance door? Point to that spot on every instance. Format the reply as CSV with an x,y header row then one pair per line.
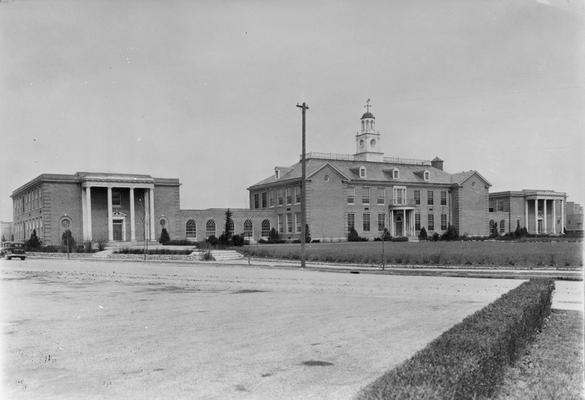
x,y
117,225
399,225
540,229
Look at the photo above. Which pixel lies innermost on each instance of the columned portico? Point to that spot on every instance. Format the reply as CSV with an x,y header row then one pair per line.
x,y
402,221
115,213
544,214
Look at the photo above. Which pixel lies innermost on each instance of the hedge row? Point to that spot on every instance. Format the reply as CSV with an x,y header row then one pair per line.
x,y
468,361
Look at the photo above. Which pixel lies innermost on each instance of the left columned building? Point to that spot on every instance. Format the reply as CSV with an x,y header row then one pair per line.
x,y
96,207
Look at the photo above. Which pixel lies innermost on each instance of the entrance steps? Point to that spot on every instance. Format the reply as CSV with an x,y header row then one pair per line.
x,y
226,255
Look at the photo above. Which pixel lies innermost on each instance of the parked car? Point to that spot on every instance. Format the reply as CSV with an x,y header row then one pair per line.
x,y
10,250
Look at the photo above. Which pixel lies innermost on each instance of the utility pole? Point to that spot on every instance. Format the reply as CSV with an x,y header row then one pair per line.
x,y
304,107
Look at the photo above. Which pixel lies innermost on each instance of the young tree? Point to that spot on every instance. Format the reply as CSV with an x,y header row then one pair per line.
x,y
229,225
33,243
3,239
352,235
164,236
422,235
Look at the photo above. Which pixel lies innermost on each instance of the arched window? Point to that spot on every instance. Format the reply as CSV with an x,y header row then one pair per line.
x,y
492,226
248,228
502,226
265,228
191,229
210,228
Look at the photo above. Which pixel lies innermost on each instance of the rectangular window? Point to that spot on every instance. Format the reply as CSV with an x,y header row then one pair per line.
x,y
381,197
365,195
417,197
431,222
289,223
381,222
116,198
350,221
443,222
417,222
256,200
281,223
351,195
399,195
430,200
500,204
298,221
271,198
288,196
280,198
263,199
297,195
366,222
443,198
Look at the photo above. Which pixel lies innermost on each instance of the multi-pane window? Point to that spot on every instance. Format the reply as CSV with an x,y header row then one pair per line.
x,y
350,221
444,222
271,198
351,195
381,222
417,197
362,172
116,198
191,229
381,199
297,195
500,205
265,228
256,200
399,195
417,222
502,226
443,198
281,223
430,199
289,222
395,173
248,228
263,199
280,198
365,195
426,175
366,222
288,196
431,222
298,221
210,228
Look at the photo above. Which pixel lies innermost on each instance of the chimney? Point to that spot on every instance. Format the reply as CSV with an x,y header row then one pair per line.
x,y
437,163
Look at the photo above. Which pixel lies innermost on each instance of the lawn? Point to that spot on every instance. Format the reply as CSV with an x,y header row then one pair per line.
x,y
552,254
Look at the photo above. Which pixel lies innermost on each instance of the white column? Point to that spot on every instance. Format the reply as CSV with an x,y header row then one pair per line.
x,y
110,222
151,195
83,214
88,211
132,217
536,216
526,213
554,203
562,216
545,216
403,222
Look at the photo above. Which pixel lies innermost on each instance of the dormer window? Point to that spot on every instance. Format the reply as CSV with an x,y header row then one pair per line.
x,y
426,175
362,172
395,173
277,173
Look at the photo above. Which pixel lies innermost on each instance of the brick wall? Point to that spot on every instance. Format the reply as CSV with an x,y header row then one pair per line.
x,y
326,206
62,199
471,207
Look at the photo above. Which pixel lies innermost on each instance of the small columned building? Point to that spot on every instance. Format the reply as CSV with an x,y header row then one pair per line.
x,y
96,207
539,211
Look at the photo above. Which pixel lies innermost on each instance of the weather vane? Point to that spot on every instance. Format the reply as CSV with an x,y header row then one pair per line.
x,y
367,106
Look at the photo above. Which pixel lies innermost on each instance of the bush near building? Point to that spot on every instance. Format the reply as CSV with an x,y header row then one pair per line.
x,y
468,361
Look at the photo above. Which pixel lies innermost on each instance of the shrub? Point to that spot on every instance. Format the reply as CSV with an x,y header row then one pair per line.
x,y
422,235
352,236
208,257
238,240
67,241
273,236
436,237
101,244
33,243
164,237
212,240
400,239
180,242
450,233
468,360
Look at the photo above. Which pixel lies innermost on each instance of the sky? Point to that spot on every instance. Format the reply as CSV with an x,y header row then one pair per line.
x,y
206,91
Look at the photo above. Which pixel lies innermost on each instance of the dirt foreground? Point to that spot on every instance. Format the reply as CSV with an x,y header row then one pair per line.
x,y
125,330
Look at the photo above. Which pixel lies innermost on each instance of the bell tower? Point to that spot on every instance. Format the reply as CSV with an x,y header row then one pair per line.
x,y
367,139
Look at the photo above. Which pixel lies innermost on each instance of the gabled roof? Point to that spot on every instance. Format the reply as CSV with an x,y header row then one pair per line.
x,y
376,172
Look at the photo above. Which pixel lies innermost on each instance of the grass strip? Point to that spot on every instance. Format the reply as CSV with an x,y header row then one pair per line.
x,y
468,360
552,367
